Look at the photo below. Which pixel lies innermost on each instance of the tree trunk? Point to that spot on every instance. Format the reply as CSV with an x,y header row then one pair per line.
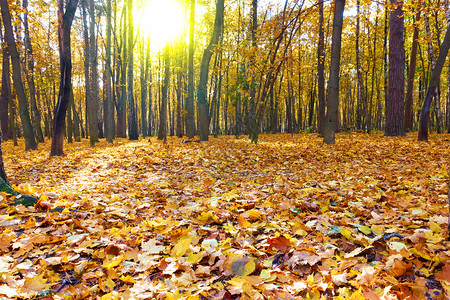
x,y
30,140
204,70
132,116
93,98
5,97
69,120
394,109
433,87
162,134
144,78
36,115
412,71
190,122
321,72
333,85
439,122
361,99
179,124
65,20
251,115
150,101
122,101
109,112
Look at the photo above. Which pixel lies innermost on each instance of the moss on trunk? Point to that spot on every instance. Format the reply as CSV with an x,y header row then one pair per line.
x,y
19,198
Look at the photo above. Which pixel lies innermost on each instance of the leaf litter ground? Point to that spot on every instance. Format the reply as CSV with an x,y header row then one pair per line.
x,y
289,218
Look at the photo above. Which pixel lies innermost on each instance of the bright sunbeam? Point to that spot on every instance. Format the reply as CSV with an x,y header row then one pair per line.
x,y
163,20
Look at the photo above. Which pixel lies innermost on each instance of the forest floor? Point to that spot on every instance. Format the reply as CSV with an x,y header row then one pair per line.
x,y
288,218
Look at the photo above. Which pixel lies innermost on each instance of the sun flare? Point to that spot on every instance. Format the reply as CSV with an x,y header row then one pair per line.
x,y
163,20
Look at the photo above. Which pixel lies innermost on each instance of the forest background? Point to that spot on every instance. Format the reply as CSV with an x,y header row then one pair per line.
x,y
277,216
269,69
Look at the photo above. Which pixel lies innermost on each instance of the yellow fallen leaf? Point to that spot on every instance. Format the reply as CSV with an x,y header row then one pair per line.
x,y
109,264
182,246
346,233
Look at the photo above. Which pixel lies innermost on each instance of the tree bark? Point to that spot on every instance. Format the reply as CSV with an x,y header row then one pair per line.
x,y
433,87
333,85
204,70
65,20
30,140
396,101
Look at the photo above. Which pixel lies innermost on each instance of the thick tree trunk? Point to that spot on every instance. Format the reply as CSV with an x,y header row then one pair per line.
x,y
204,70
412,72
333,85
394,109
433,87
30,140
321,72
65,20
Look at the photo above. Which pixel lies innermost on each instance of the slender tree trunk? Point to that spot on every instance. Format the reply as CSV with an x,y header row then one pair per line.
x,y
179,124
447,16
412,71
76,119
5,97
361,99
69,121
30,140
109,111
321,72
433,87
35,113
65,20
122,101
132,116
190,122
439,122
162,135
204,70
385,56
144,78
395,106
150,101
93,98
333,85
252,122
